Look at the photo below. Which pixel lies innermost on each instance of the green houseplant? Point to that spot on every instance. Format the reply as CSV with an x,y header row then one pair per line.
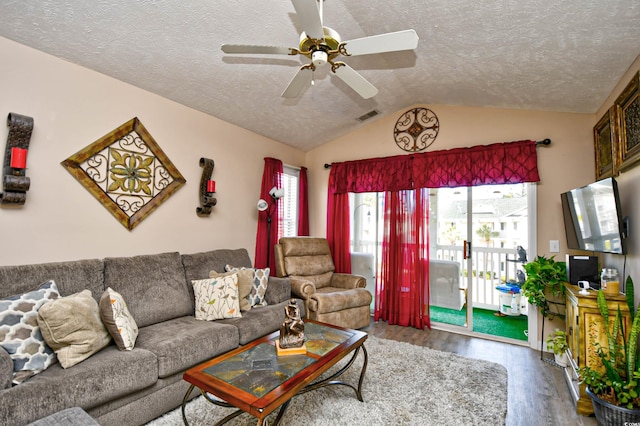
x,y
557,342
544,283
615,389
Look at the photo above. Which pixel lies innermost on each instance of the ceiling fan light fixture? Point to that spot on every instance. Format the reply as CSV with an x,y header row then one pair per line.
x,y
319,58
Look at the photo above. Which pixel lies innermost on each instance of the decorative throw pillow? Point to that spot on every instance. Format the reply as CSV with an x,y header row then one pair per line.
x,y
217,298
20,335
118,320
245,284
259,283
72,327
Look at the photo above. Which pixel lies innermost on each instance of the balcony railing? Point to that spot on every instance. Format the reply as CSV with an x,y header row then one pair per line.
x,y
490,267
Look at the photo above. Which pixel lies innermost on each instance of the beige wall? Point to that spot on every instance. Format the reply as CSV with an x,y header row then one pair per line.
x,y
72,107
568,162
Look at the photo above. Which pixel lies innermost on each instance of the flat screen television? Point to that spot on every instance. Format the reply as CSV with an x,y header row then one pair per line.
x,y
592,218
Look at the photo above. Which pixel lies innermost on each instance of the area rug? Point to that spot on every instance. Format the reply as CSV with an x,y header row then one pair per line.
x,y
404,385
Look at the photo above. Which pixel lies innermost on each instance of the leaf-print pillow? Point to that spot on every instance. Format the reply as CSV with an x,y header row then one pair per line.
x,y
118,320
217,298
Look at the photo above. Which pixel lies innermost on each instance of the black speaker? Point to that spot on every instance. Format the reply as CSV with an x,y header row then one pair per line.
x,y
581,268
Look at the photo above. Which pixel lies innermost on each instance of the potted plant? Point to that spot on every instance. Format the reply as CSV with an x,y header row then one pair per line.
x,y
614,389
557,342
545,283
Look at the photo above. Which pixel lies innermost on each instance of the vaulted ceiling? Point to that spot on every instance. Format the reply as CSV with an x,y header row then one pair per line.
x,y
523,54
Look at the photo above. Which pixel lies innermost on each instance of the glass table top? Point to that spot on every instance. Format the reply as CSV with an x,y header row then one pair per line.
x,y
258,370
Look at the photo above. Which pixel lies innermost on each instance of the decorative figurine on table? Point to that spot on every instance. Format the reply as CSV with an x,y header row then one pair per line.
x,y
291,339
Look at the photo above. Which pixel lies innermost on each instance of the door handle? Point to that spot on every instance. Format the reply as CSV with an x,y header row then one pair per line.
x,y
466,250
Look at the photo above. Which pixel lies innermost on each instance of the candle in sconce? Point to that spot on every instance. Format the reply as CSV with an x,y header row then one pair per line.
x,y
211,185
18,158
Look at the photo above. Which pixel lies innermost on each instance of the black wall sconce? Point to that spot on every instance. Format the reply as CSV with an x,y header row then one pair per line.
x,y
15,183
207,188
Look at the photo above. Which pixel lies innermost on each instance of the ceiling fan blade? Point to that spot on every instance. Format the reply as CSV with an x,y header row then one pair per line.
x,y
310,19
262,50
299,81
389,42
354,80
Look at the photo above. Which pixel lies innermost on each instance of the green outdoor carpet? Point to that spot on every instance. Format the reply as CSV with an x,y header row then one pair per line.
x,y
484,321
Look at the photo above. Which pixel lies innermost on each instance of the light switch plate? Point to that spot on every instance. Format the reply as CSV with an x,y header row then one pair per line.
x,y
554,246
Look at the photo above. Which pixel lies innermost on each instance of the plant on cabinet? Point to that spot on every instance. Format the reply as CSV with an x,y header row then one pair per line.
x,y
614,389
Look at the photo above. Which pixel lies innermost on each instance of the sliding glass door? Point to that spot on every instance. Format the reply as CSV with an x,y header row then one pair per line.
x,y
477,237
483,234
448,256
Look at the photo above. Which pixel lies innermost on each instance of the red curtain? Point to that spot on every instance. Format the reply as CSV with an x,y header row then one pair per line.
x,y
500,163
270,220
402,292
338,231
303,203
372,175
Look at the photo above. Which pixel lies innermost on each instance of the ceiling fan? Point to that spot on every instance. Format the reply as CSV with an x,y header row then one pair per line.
x,y
322,45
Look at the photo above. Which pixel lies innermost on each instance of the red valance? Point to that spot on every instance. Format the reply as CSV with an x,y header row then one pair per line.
x,y
371,175
499,163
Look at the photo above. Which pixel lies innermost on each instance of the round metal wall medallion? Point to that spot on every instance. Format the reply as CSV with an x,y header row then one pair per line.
x,y
416,129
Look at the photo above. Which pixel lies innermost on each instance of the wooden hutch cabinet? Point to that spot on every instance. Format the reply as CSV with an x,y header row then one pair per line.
x,y
584,328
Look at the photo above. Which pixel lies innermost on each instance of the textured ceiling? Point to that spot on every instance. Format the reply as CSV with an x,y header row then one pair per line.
x,y
525,54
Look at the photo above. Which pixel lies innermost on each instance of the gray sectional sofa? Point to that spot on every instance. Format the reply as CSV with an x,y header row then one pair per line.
x,y
133,387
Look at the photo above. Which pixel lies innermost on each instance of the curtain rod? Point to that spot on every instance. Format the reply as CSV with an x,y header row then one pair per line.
x,y
544,142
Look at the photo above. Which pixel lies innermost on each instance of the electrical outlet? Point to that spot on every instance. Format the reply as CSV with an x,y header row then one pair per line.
x,y
554,246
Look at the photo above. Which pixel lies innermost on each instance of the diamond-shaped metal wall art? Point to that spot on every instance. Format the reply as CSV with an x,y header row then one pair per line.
x,y
127,172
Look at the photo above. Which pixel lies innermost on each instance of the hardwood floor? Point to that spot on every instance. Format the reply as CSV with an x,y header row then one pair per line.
x,y
537,392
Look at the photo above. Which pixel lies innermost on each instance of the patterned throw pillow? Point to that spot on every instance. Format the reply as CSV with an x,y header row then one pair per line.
x,y
260,280
217,298
20,335
245,284
118,320
72,326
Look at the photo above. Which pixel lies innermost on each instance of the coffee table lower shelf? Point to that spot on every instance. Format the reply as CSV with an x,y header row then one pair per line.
x,y
212,377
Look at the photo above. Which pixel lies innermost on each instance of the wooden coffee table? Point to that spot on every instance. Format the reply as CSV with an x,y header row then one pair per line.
x,y
255,380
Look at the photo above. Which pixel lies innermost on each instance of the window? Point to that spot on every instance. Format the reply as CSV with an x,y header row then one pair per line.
x,y
290,185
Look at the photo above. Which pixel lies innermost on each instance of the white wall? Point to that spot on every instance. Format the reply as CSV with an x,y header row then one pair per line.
x,y
72,107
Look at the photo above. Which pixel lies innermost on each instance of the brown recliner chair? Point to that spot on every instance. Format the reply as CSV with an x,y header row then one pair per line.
x,y
329,297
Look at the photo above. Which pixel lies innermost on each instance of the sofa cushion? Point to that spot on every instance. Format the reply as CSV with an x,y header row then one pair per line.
x,y
20,334
72,327
183,342
278,290
154,286
70,277
106,376
245,284
217,298
6,369
118,320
